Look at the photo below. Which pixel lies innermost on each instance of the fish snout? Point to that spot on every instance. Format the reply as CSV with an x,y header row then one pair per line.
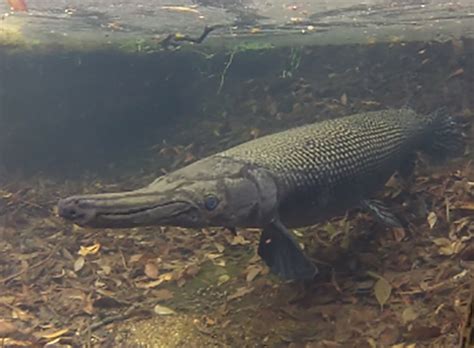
x,y
75,209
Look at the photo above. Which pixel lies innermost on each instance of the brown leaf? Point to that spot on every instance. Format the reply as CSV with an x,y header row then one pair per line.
x,y
421,332
239,293
135,258
151,270
192,270
252,272
382,290
7,328
52,334
220,248
161,279
107,302
398,233
239,240
389,336
465,205
162,295
88,306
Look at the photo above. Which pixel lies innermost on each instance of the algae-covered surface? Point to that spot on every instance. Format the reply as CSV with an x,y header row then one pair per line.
x,y
77,121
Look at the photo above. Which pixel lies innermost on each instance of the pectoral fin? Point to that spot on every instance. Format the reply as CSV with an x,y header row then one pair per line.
x,y
282,254
381,213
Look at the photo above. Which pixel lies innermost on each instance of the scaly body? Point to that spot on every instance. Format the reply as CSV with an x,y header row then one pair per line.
x,y
292,178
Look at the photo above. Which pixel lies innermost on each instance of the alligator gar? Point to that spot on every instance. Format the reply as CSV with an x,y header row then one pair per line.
x,y
294,178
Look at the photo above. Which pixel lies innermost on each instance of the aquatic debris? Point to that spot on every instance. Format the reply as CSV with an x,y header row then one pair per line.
x,y
18,5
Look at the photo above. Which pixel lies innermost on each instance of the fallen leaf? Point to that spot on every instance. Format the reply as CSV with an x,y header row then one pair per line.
x,y
432,219
165,277
54,334
162,310
252,272
192,270
465,205
239,293
388,336
89,250
409,315
220,248
421,332
382,290
151,271
135,258
6,328
398,233
441,242
239,240
79,263
223,279
162,295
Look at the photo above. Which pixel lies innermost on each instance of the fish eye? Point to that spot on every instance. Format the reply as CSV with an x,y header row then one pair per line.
x,y
211,202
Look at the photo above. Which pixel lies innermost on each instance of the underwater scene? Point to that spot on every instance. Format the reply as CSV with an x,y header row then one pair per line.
x,y
236,173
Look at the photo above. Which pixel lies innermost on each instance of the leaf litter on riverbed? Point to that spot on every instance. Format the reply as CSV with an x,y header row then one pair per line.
x,y
58,281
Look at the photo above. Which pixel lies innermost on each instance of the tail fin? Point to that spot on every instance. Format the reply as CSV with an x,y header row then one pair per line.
x,y
447,139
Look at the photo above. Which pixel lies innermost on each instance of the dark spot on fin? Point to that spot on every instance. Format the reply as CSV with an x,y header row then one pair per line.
x,y
282,254
381,213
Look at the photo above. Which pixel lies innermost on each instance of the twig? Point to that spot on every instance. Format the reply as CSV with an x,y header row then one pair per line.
x,y
173,39
224,72
112,318
13,276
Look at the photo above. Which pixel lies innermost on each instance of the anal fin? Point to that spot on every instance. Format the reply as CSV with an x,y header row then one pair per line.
x,y
282,254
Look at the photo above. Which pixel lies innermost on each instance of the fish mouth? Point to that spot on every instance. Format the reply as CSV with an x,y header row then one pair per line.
x,y
126,210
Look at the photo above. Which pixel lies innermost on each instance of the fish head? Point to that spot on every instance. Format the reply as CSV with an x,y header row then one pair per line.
x,y
212,192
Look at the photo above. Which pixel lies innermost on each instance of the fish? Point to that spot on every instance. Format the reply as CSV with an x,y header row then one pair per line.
x,y
285,180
